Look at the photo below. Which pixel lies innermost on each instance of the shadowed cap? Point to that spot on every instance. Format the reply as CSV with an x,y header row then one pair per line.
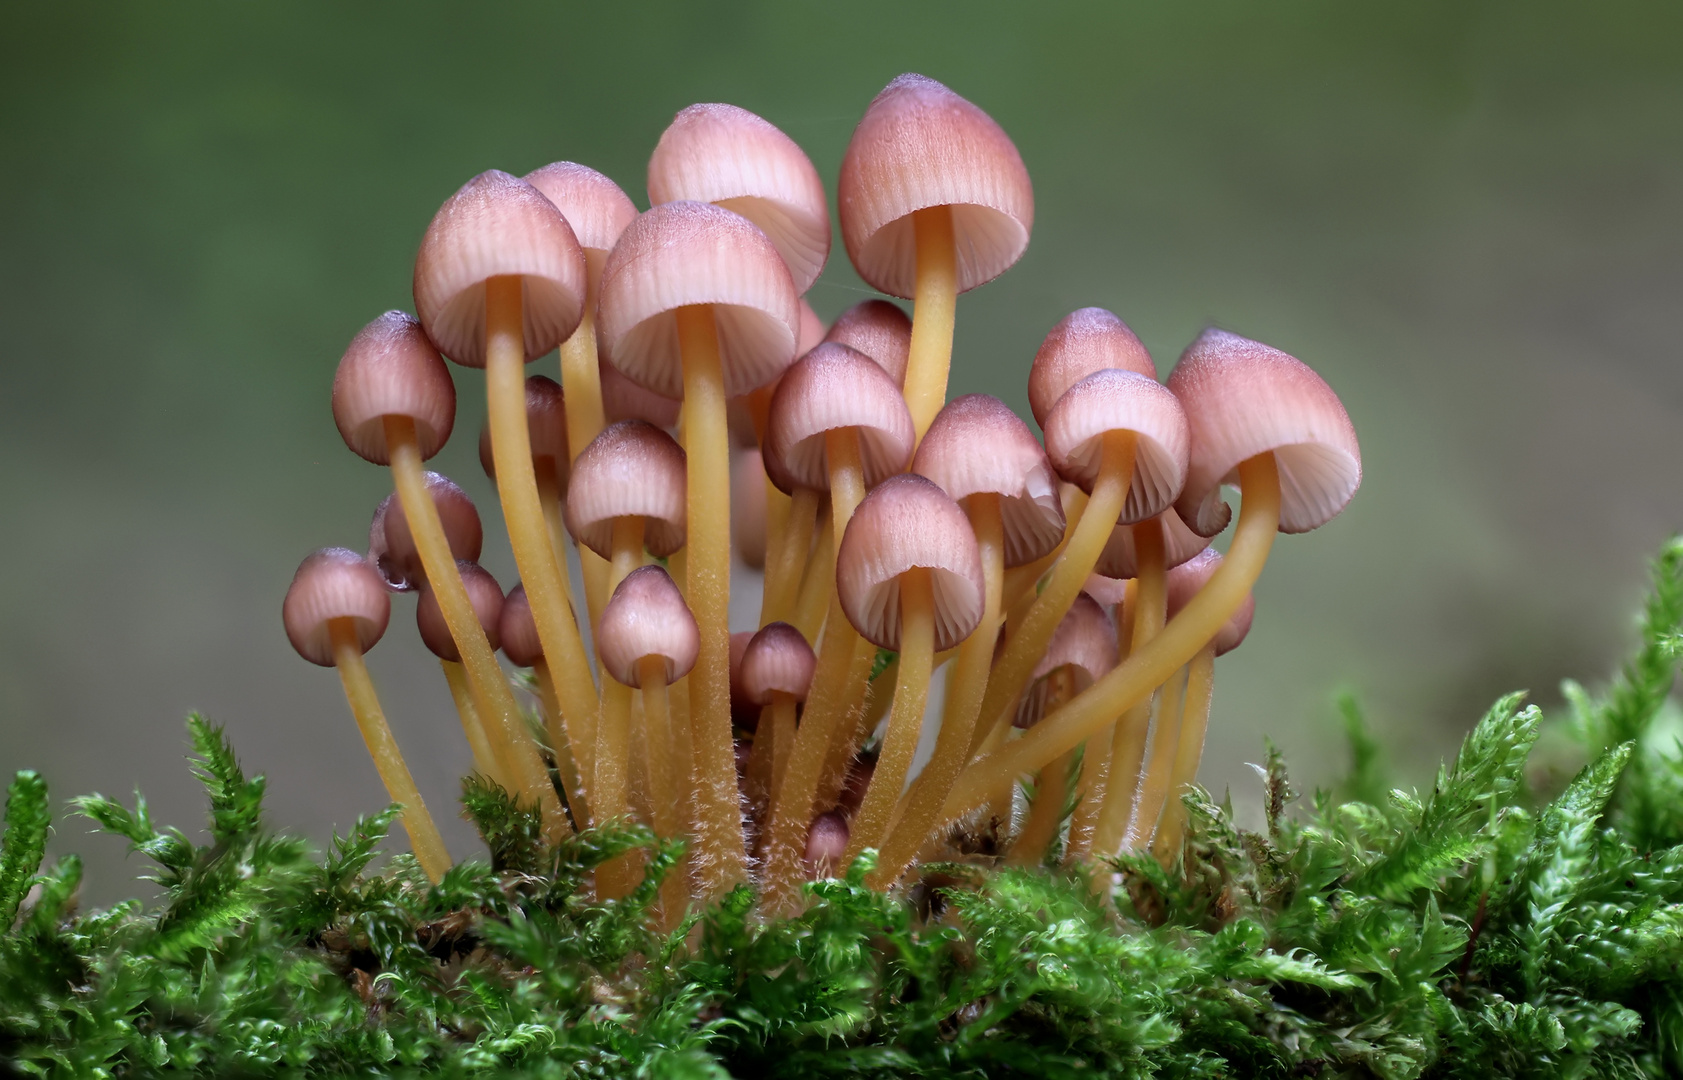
x,y
743,713
498,225
1113,400
517,631
907,521
632,469
1244,398
594,206
921,145
878,329
748,507
1107,590
484,594
391,369
778,660
685,253
546,429
730,157
1119,560
391,546
334,583
829,388
826,843
646,616
1084,638
623,399
1185,581
1084,341
977,444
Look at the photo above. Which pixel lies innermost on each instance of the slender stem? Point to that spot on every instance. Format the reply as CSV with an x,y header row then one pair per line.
x,y
933,312
963,703
1189,750
627,549
566,758
546,470
1148,667
864,704
847,478
382,747
818,583
1127,742
782,718
511,450
1021,582
1026,645
485,761
1160,763
720,856
905,719
762,757
784,582
492,697
581,382
1051,795
663,781
609,793
778,507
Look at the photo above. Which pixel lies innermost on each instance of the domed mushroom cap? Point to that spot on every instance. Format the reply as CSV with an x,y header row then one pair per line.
x,y
1119,558
484,594
1084,638
623,399
1185,581
748,507
391,545
826,843
829,388
879,330
778,660
391,369
646,616
498,225
1112,400
517,631
334,583
1084,341
977,444
730,157
546,428
1243,398
594,206
906,522
684,253
921,145
811,330
1105,590
632,469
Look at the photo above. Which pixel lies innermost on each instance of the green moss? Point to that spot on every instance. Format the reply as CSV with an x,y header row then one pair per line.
x,y
1464,931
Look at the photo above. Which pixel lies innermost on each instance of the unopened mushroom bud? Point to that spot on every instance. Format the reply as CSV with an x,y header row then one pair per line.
x,y
826,845
777,669
623,399
934,200
647,639
516,631
748,507
1185,581
391,543
628,494
487,598
878,329
336,610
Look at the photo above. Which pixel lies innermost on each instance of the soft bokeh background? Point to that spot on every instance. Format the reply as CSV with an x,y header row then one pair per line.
x,y
1467,216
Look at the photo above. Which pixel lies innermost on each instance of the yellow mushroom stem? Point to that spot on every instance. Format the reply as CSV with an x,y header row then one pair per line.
x,y
1189,750
544,579
486,760
581,395
493,699
1160,763
382,747
917,811
721,859
1052,790
547,472
818,581
905,718
762,758
867,700
1127,742
610,791
663,776
572,770
1149,667
786,559
1025,645
627,549
933,310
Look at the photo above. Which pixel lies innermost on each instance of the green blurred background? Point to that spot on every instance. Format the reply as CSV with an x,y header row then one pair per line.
x,y
1467,216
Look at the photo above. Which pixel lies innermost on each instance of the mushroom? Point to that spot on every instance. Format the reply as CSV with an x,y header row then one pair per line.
x,y
878,329
1086,340
1256,413
748,507
909,576
986,459
826,845
777,668
335,611
391,543
395,405
697,302
500,279
518,634
487,600
933,200
648,640
627,496
546,427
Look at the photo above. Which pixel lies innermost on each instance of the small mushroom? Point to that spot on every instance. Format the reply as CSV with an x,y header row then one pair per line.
x,y
777,668
628,495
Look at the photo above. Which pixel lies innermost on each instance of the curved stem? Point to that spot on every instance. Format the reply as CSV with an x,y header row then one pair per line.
x,y
382,747
905,719
867,699
1160,765
567,764
784,582
933,311
517,488
609,793
485,761
1052,791
1149,667
1025,646
720,857
492,697
965,688
1189,750
818,583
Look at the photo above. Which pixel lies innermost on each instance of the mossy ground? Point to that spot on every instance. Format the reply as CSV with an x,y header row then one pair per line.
x,y
1469,930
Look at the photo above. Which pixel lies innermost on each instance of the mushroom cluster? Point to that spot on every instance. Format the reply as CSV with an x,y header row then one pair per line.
x,y
1068,587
